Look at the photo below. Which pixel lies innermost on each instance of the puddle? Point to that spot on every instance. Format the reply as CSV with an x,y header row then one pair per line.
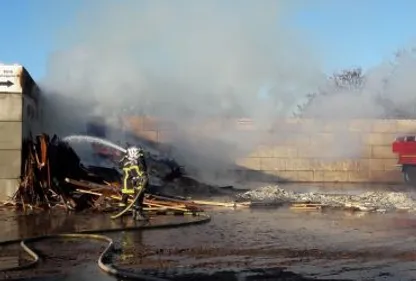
x,y
236,245
9,261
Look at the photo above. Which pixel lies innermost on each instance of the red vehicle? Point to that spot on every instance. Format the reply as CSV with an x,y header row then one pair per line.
x,y
405,147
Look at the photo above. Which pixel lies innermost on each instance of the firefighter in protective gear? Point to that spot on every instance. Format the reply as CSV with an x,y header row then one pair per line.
x,y
135,179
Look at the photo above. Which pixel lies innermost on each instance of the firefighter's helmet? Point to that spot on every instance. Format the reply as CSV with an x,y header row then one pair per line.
x,y
134,153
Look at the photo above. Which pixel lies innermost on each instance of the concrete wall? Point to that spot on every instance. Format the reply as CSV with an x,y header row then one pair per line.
x,y
18,118
332,151
311,150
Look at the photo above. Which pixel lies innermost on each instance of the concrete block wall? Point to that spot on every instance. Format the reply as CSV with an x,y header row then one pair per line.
x,y
332,151
312,150
18,116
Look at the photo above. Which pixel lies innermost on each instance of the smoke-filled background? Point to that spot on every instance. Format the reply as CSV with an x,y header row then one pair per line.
x,y
191,61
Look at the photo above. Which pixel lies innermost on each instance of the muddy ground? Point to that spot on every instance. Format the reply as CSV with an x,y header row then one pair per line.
x,y
241,244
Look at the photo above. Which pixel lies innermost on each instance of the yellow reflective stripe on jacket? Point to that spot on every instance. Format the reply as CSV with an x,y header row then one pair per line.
x,y
126,170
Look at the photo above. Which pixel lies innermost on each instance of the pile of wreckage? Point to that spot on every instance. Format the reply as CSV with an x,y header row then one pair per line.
x,y
54,176
367,201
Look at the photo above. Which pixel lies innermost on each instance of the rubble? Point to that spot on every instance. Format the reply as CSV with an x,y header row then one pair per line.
x,y
380,201
54,176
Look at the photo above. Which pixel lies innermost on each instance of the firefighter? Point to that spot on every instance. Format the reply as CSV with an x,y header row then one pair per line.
x,y
135,180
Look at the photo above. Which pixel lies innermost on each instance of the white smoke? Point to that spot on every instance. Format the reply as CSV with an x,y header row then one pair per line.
x,y
184,62
190,61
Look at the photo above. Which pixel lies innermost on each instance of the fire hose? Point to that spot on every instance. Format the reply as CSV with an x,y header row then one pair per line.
x,y
129,206
92,235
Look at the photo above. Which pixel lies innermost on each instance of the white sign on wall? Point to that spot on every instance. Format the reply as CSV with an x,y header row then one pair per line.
x,y
10,77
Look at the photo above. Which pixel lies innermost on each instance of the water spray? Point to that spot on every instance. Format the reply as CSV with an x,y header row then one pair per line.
x,y
83,138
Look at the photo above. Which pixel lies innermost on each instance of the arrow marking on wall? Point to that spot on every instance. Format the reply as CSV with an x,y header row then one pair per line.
x,y
7,83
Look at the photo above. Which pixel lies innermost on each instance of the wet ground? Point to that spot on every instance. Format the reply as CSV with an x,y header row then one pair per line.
x,y
270,243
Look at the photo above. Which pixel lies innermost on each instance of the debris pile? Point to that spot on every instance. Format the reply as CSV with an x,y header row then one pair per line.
x,y
380,201
47,162
53,175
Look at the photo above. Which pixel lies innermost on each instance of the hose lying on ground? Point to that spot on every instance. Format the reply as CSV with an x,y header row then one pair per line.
x,y
127,208
89,234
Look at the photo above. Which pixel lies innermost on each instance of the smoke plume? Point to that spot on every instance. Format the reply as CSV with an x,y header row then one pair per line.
x,y
384,91
189,62
185,62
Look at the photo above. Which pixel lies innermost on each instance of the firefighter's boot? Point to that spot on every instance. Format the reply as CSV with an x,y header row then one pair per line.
x,y
138,215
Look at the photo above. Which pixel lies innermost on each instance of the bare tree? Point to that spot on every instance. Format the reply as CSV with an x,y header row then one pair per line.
x,y
347,81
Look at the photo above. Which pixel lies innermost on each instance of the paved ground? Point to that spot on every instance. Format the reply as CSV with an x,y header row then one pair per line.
x,y
277,244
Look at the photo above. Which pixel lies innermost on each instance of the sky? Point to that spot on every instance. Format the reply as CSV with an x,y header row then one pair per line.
x,y
359,33
344,33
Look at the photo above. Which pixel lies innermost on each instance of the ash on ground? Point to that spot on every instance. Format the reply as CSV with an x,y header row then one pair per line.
x,y
381,201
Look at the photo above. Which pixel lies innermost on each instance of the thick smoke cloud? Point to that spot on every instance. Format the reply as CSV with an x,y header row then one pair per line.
x,y
185,62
